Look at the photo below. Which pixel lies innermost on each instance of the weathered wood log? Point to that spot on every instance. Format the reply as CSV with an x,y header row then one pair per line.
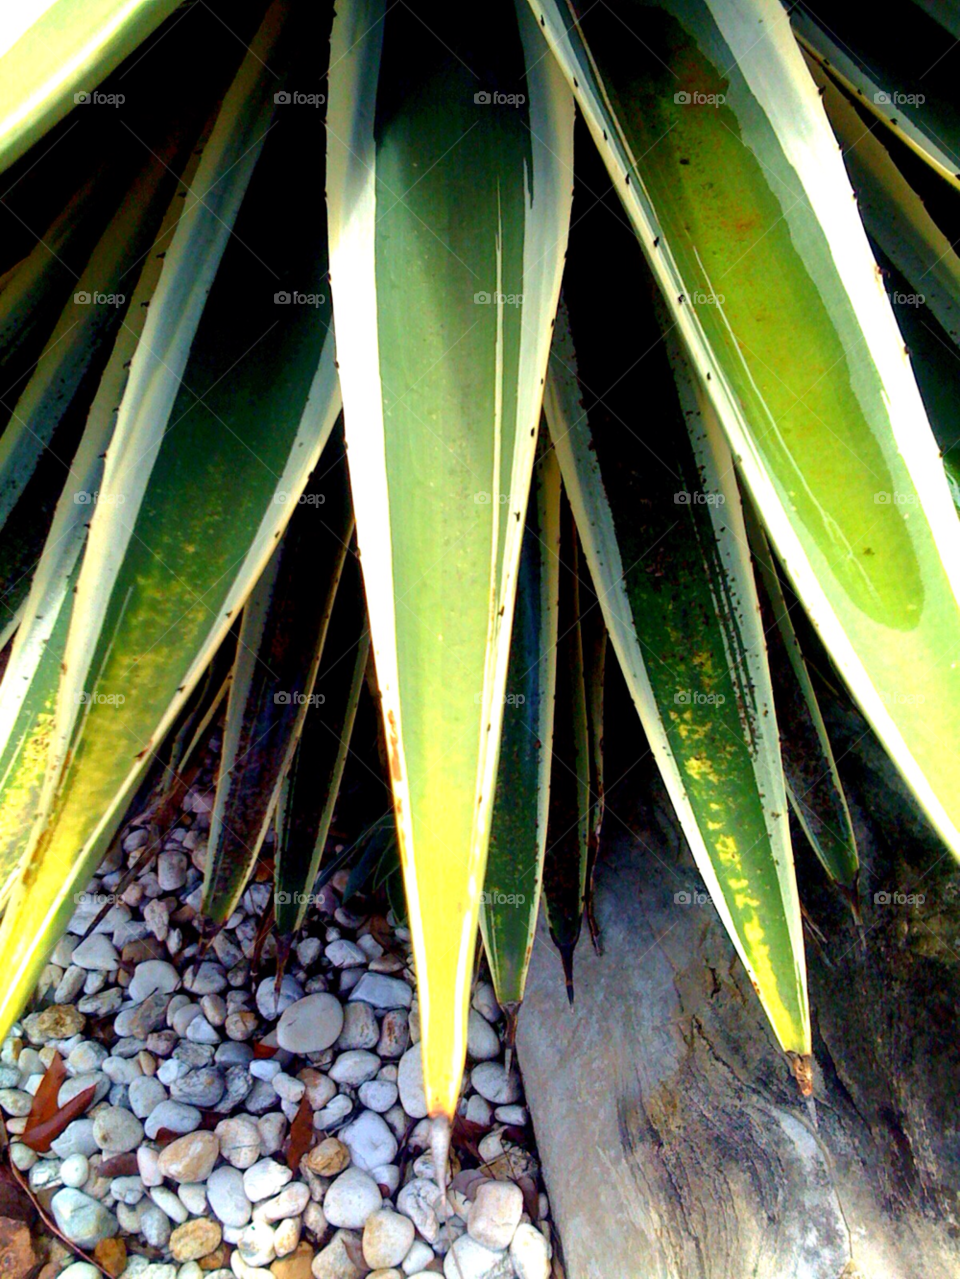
x,y
674,1142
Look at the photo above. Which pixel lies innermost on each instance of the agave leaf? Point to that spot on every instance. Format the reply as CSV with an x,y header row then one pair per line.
x,y
281,640
314,780
29,688
813,783
593,633
219,428
448,216
662,532
746,216
894,71
518,831
62,54
569,813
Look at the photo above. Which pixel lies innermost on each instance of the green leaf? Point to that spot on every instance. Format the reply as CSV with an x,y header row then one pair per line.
x,y
570,810
448,216
62,51
518,831
813,783
281,640
315,775
220,426
747,219
894,70
662,532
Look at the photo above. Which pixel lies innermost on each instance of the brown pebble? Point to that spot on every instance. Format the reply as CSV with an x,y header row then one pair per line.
x,y
327,1158
111,1254
296,1266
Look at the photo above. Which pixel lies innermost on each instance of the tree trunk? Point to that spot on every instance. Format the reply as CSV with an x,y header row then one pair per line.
x,y
674,1142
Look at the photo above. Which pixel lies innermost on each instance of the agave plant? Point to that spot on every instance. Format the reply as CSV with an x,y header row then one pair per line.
x,y
715,424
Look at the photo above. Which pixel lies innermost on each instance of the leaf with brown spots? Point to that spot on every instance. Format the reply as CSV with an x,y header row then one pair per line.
x,y
301,1134
46,1122
44,1105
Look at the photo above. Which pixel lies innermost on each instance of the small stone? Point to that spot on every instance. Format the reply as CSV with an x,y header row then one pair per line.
x,y
288,1088
492,1082
172,871
80,1083
351,1198
233,1054
334,1114
208,978
265,1179
214,1009
201,1032
468,1259
121,1070
81,1219
387,1237
227,1198
23,1159
202,1087
382,992
309,1025
272,1129
335,1262
328,1158
286,1236
495,1213
190,1158
530,1253
290,1202
148,1165
320,1088
410,1083
485,1002
394,1033
314,1220
483,1042
155,1226
344,954
378,1095
146,1093
111,1254
369,1141
239,1141
173,1116
181,1016
151,977
240,1025
418,1258
116,1130
101,1004
127,1190
193,1270
144,1017
86,1057
76,1138
237,1086
169,1203
14,1101
195,1239
418,1201
360,1029
59,1021
80,1270
156,916
294,1266
193,1196
70,986
512,1115
269,1004
97,952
